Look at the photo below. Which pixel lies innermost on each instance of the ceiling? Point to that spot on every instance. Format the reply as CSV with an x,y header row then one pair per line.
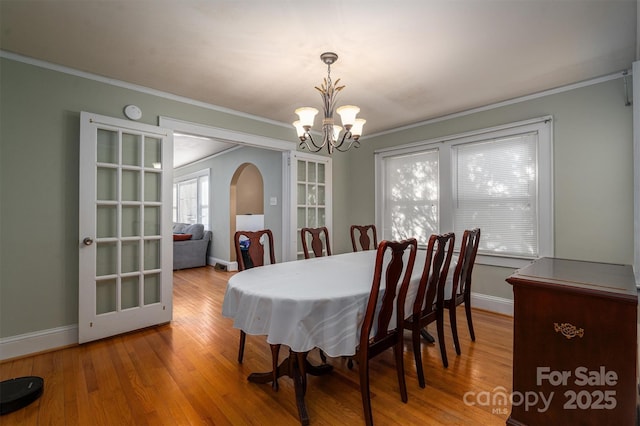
x,y
402,62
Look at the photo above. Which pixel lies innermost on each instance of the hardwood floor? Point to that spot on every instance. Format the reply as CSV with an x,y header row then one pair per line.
x,y
186,373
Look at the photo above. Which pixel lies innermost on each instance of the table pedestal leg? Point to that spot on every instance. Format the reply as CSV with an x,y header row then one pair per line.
x,y
297,367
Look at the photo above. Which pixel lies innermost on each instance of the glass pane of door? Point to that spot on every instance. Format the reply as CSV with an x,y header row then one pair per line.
x,y
128,221
130,292
311,197
130,149
106,291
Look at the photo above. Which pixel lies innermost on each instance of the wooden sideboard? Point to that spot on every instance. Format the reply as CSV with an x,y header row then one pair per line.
x,y
574,344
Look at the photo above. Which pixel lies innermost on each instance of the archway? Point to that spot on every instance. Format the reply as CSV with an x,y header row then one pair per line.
x,y
246,206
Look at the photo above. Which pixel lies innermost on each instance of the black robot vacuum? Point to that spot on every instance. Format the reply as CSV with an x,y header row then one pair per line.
x,y
19,392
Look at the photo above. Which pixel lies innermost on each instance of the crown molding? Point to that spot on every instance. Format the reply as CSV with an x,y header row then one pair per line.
x,y
142,89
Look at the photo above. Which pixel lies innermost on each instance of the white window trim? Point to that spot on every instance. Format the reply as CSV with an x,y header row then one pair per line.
x,y
196,175
542,125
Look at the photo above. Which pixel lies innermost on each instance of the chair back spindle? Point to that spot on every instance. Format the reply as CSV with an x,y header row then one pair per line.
x,y
466,261
430,293
461,284
360,234
256,250
319,241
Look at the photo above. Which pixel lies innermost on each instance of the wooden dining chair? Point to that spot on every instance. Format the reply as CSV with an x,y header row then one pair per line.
x,y
317,239
252,256
386,332
429,299
360,233
461,285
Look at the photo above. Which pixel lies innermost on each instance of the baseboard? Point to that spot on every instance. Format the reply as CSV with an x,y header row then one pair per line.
x,y
495,304
39,341
231,266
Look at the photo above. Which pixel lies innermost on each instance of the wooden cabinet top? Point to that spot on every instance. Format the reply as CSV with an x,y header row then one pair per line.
x,y
601,279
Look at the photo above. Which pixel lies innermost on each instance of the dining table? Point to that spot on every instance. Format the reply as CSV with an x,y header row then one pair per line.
x,y
305,304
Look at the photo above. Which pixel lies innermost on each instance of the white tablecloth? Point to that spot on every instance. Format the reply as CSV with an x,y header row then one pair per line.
x,y
318,302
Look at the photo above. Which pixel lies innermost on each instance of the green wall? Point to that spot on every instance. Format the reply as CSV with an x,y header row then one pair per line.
x,y
593,172
39,154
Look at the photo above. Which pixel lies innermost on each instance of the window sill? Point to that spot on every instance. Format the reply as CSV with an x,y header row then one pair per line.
x,y
496,260
503,261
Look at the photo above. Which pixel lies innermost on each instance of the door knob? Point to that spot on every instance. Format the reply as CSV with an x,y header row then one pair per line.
x,y
87,241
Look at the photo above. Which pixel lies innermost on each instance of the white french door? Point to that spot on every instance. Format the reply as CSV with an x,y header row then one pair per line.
x,y
636,167
311,197
125,247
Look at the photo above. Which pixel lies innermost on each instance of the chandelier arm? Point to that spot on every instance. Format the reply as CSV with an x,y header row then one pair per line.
x,y
352,142
314,147
346,136
305,144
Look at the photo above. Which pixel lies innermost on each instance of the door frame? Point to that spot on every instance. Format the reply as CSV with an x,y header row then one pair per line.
x,y
636,168
290,249
248,140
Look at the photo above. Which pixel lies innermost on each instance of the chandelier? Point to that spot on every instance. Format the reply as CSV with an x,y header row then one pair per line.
x,y
333,136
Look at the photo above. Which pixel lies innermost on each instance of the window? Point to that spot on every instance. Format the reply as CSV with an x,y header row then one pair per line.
x,y
411,195
191,198
498,179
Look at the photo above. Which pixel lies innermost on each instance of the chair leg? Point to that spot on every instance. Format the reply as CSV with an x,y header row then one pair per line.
x,y
275,352
467,309
454,326
440,327
417,354
399,352
243,337
301,358
364,390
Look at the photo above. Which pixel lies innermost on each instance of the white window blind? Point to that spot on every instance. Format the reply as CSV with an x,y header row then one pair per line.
x,y
498,179
411,196
495,188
